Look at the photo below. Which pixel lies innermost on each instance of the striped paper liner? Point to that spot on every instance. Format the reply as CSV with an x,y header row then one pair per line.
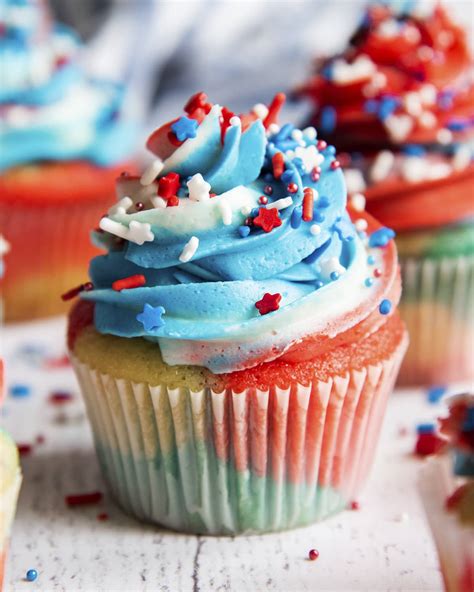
x,y
438,307
237,462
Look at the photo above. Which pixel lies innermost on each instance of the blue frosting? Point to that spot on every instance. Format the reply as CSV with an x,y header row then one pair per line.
x,y
50,110
211,299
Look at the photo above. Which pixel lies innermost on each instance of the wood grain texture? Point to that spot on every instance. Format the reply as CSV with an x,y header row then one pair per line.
x,y
368,549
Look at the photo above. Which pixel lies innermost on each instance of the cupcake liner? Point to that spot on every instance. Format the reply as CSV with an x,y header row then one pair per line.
x,y
437,306
232,462
454,541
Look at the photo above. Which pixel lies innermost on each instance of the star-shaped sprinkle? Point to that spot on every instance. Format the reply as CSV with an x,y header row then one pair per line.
x,y
139,232
310,157
198,188
185,128
151,317
267,219
268,303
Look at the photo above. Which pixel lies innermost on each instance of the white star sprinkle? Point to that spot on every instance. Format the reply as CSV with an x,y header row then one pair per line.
x,y
137,232
310,156
198,188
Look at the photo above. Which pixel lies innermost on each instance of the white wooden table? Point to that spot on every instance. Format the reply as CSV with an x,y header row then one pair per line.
x,y
383,546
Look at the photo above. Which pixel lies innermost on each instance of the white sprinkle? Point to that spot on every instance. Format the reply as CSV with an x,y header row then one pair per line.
x,y
428,94
462,158
344,73
260,110
330,265
412,103
198,188
280,204
425,53
360,224
273,128
315,229
245,210
158,202
444,136
369,90
389,28
113,227
310,157
381,166
354,180
189,250
297,135
226,212
427,120
379,80
310,133
445,38
4,246
411,34
121,206
235,121
414,168
290,154
439,171
398,127
137,232
358,202
151,172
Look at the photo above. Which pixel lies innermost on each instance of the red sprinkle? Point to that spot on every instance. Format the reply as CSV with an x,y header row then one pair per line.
x,y
274,109
61,362
278,164
354,505
168,185
268,189
377,272
40,439
60,397
172,201
322,145
263,199
102,516
267,219
453,500
139,206
315,176
226,116
197,101
83,499
292,188
313,554
173,139
24,449
133,281
335,164
268,303
428,443
308,204
248,221
70,294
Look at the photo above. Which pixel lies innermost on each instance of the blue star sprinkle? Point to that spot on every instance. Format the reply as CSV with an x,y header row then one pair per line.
x,y
185,128
151,317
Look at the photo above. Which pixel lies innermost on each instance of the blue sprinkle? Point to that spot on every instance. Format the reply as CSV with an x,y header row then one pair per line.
x,y
254,212
19,390
387,107
268,177
298,162
425,428
370,259
289,144
385,306
185,128
328,119
327,72
296,217
331,150
457,125
381,237
244,231
369,282
31,575
288,176
445,101
435,393
318,284
323,202
334,275
413,150
284,132
151,317
371,106
318,217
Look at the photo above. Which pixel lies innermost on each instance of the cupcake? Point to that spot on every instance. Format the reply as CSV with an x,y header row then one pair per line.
x,y
400,101
63,145
447,489
237,342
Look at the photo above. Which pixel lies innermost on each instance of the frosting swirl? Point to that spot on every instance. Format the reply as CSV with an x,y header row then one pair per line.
x,y
240,249
49,109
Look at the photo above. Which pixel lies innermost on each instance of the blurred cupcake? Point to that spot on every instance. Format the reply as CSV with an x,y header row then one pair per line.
x,y
400,101
237,343
63,145
447,488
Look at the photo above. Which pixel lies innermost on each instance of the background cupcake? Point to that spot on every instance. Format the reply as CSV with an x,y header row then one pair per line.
x,y
240,337
63,144
447,489
400,101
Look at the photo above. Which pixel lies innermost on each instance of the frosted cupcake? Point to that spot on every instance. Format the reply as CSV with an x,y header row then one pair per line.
x,y
63,145
400,101
447,489
238,341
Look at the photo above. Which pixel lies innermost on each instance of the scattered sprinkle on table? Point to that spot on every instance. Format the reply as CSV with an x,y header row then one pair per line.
x,y
19,390
31,575
435,393
83,499
313,554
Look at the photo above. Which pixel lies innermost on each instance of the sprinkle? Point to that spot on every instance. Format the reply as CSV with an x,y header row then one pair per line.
x,y
292,188
173,201
268,189
427,120
245,210
260,110
308,204
315,229
381,237
226,212
102,516
185,128
139,206
334,276
323,202
24,449
387,107
313,554
244,231
159,202
385,307
132,281
369,282
83,499
428,443
278,164
462,158
377,272
267,220
189,250
151,317
235,121
19,390
31,575
310,133
381,166
435,393
370,259
139,232
318,217
425,428
310,157
274,109
358,202
121,206
263,199
398,127
321,145
335,164
295,219
70,294
361,224
354,505
151,172
168,185
328,119
354,181
60,397
196,101
269,303
281,204
288,176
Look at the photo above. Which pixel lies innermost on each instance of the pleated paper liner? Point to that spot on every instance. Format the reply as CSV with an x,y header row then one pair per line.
x,y
454,541
438,307
237,462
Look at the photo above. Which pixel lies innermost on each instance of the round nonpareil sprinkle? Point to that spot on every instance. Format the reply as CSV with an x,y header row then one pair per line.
x,y
313,554
385,307
31,575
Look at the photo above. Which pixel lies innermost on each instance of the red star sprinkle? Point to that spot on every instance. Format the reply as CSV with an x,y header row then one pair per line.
x,y
268,303
267,219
